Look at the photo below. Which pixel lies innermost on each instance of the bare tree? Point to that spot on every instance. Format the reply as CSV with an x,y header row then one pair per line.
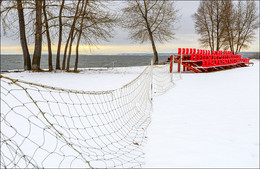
x,y
60,36
97,24
209,20
47,36
150,21
38,37
9,12
87,21
226,24
229,25
26,55
246,23
79,36
72,35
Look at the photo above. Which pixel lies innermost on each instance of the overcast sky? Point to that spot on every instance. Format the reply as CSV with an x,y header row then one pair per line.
x,y
185,37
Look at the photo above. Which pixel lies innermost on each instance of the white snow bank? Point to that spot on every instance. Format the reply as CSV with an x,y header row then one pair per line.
x,y
207,120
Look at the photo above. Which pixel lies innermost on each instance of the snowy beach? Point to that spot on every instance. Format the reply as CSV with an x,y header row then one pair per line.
x,y
129,84
205,120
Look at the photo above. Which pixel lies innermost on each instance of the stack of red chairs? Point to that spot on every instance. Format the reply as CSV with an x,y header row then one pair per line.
x,y
209,59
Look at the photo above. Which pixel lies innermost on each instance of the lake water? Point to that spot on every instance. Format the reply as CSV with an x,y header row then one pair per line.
x,y
15,62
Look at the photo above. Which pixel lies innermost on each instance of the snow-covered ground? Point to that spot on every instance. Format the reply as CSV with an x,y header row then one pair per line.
x,y
205,120
94,79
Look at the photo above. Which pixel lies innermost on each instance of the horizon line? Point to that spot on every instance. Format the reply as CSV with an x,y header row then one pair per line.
x,y
117,53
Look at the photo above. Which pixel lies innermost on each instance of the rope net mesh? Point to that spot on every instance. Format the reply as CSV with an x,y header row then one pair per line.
x,y
43,126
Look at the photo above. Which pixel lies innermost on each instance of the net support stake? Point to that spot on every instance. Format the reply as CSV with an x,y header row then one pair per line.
x,y
171,62
151,79
181,63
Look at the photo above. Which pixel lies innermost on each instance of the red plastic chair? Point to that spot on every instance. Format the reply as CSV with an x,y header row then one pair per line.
x,y
194,51
216,62
191,56
183,51
220,61
196,57
212,62
179,51
187,51
203,63
209,62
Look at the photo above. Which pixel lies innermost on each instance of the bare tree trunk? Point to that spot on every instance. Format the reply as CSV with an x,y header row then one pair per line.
x,y
79,36
26,55
149,31
151,36
48,37
38,37
65,53
70,49
60,36
72,35
218,38
212,29
243,40
154,47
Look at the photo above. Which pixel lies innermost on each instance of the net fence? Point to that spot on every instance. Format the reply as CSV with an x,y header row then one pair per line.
x,y
49,127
